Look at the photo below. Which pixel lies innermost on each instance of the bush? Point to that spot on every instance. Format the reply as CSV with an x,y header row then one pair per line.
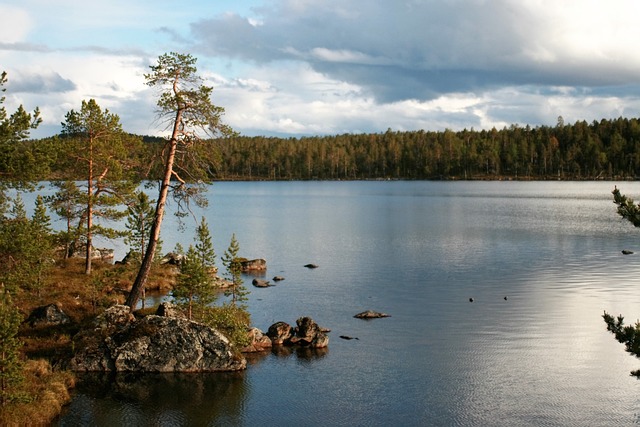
x,y
230,320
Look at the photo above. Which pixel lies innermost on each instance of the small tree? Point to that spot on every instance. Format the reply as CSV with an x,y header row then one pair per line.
x,y
67,204
194,285
19,248
232,262
11,366
204,246
139,221
41,233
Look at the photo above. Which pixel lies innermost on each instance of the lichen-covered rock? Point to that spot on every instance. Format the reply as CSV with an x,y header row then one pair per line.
x,y
259,341
48,315
152,344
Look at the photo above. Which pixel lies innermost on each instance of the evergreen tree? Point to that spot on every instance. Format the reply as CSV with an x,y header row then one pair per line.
x,y
11,366
204,246
96,147
194,286
67,203
19,165
42,235
139,221
18,248
233,264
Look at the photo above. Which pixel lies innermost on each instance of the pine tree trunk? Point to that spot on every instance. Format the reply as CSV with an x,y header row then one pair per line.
x,y
87,268
145,267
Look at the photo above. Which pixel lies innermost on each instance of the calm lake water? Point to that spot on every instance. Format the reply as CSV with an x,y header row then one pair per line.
x,y
417,251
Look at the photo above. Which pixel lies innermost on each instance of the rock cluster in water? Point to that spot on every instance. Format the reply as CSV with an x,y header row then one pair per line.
x,y
306,333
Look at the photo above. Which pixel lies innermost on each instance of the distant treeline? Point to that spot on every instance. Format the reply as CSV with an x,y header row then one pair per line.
x,y
608,149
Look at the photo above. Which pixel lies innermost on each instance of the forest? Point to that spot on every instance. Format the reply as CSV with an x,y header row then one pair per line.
x,y
605,149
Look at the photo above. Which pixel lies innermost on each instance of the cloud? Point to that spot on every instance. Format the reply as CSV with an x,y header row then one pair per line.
x,y
423,49
15,23
50,82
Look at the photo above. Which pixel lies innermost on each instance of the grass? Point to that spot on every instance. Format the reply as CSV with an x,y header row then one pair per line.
x,y
47,391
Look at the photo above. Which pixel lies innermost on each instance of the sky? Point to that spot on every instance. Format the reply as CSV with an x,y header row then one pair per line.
x,y
324,67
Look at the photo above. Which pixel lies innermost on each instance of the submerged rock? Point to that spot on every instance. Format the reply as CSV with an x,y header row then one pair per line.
x,y
260,283
120,343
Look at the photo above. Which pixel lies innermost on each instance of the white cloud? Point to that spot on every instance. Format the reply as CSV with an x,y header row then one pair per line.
x,y
15,23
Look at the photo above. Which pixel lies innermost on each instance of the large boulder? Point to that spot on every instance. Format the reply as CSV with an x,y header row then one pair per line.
x,y
118,342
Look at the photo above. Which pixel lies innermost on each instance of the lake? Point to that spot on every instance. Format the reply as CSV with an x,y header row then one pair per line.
x,y
541,260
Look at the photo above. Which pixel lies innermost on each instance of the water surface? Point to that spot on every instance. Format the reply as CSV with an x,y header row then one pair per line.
x,y
417,251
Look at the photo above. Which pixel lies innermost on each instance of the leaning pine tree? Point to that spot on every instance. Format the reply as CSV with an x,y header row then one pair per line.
x,y
184,104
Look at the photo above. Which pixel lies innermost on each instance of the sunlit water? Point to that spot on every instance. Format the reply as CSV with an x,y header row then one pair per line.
x,y
417,251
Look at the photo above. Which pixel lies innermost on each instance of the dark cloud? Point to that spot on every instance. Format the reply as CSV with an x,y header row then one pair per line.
x,y
414,48
40,83
23,47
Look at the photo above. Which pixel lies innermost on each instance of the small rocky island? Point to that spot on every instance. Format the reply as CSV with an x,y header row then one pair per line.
x,y
168,342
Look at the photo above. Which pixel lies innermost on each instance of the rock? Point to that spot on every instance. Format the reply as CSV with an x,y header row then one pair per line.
x,y
279,332
369,314
120,343
260,283
259,341
173,258
307,333
254,265
167,309
48,315
104,254
311,266
627,252
278,278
